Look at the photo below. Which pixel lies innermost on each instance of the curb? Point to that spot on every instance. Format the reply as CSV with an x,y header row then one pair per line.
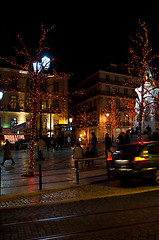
x,y
38,193
87,198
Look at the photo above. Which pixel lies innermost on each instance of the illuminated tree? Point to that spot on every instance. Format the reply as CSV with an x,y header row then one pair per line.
x,y
143,74
34,85
113,114
85,119
129,108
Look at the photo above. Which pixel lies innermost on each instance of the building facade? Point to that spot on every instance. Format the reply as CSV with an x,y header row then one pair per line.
x,y
107,96
15,114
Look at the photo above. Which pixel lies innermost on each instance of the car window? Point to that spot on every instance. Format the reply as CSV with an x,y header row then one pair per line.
x,y
153,148
130,149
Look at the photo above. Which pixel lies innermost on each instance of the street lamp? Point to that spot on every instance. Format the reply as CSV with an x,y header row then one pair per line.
x,y
38,67
1,95
45,64
70,120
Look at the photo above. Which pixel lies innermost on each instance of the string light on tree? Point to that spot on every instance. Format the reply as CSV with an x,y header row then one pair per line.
x,y
140,65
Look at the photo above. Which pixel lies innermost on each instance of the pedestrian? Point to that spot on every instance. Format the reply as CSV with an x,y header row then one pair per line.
x,y
7,153
121,140
68,141
94,140
108,143
148,128
53,143
48,143
78,152
59,142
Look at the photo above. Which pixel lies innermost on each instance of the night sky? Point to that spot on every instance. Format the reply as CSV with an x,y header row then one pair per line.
x,y
80,46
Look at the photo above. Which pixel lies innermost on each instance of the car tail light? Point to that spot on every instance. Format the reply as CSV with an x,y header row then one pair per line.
x,y
140,160
109,159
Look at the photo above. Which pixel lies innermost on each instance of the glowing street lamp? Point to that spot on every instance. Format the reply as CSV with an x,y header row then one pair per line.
x,y
1,95
38,67
45,64
70,120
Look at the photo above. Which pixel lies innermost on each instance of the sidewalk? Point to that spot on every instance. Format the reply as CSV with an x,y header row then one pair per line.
x,y
81,192
58,171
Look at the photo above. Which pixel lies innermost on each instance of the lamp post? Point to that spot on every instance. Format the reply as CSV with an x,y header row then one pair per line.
x,y
38,67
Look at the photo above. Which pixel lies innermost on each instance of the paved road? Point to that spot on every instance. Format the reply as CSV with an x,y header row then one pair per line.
x,y
134,217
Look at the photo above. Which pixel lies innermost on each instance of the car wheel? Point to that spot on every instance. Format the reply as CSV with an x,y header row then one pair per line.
x,y
156,177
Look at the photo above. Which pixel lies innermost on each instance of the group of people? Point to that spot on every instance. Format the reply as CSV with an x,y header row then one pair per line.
x,y
123,138
54,143
79,152
149,136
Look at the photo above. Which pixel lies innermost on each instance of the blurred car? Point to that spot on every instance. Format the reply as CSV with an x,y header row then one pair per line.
x,y
135,160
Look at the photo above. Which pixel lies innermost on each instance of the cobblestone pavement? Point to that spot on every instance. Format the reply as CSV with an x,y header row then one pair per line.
x,y
77,192
134,217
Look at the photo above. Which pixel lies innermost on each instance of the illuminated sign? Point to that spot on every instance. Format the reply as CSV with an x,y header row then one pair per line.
x,y
13,138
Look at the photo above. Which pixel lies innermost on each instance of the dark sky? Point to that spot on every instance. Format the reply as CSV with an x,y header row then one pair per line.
x,y
79,46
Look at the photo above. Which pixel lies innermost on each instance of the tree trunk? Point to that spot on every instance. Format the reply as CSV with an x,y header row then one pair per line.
x,y
33,128
32,146
139,136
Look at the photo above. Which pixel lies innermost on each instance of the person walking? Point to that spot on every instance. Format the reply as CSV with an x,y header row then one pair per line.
x,y
7,153
108,143
68,141
94,151
94,140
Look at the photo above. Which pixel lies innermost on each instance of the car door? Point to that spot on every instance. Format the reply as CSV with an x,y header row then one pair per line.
x,y
153,155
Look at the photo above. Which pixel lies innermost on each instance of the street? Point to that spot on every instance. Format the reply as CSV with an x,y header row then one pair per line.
x,y
105,209
133,217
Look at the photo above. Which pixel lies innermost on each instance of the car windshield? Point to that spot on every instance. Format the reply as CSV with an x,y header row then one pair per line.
x,y
129,149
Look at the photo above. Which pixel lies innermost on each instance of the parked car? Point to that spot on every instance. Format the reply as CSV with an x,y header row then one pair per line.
x,y
135,160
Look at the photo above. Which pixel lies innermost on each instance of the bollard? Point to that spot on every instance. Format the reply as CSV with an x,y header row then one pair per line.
x,y
0,180
40,177
77,171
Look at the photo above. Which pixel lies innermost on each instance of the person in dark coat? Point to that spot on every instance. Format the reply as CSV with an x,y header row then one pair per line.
x,y
94,151
94,140
122,139
108,143
7,153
